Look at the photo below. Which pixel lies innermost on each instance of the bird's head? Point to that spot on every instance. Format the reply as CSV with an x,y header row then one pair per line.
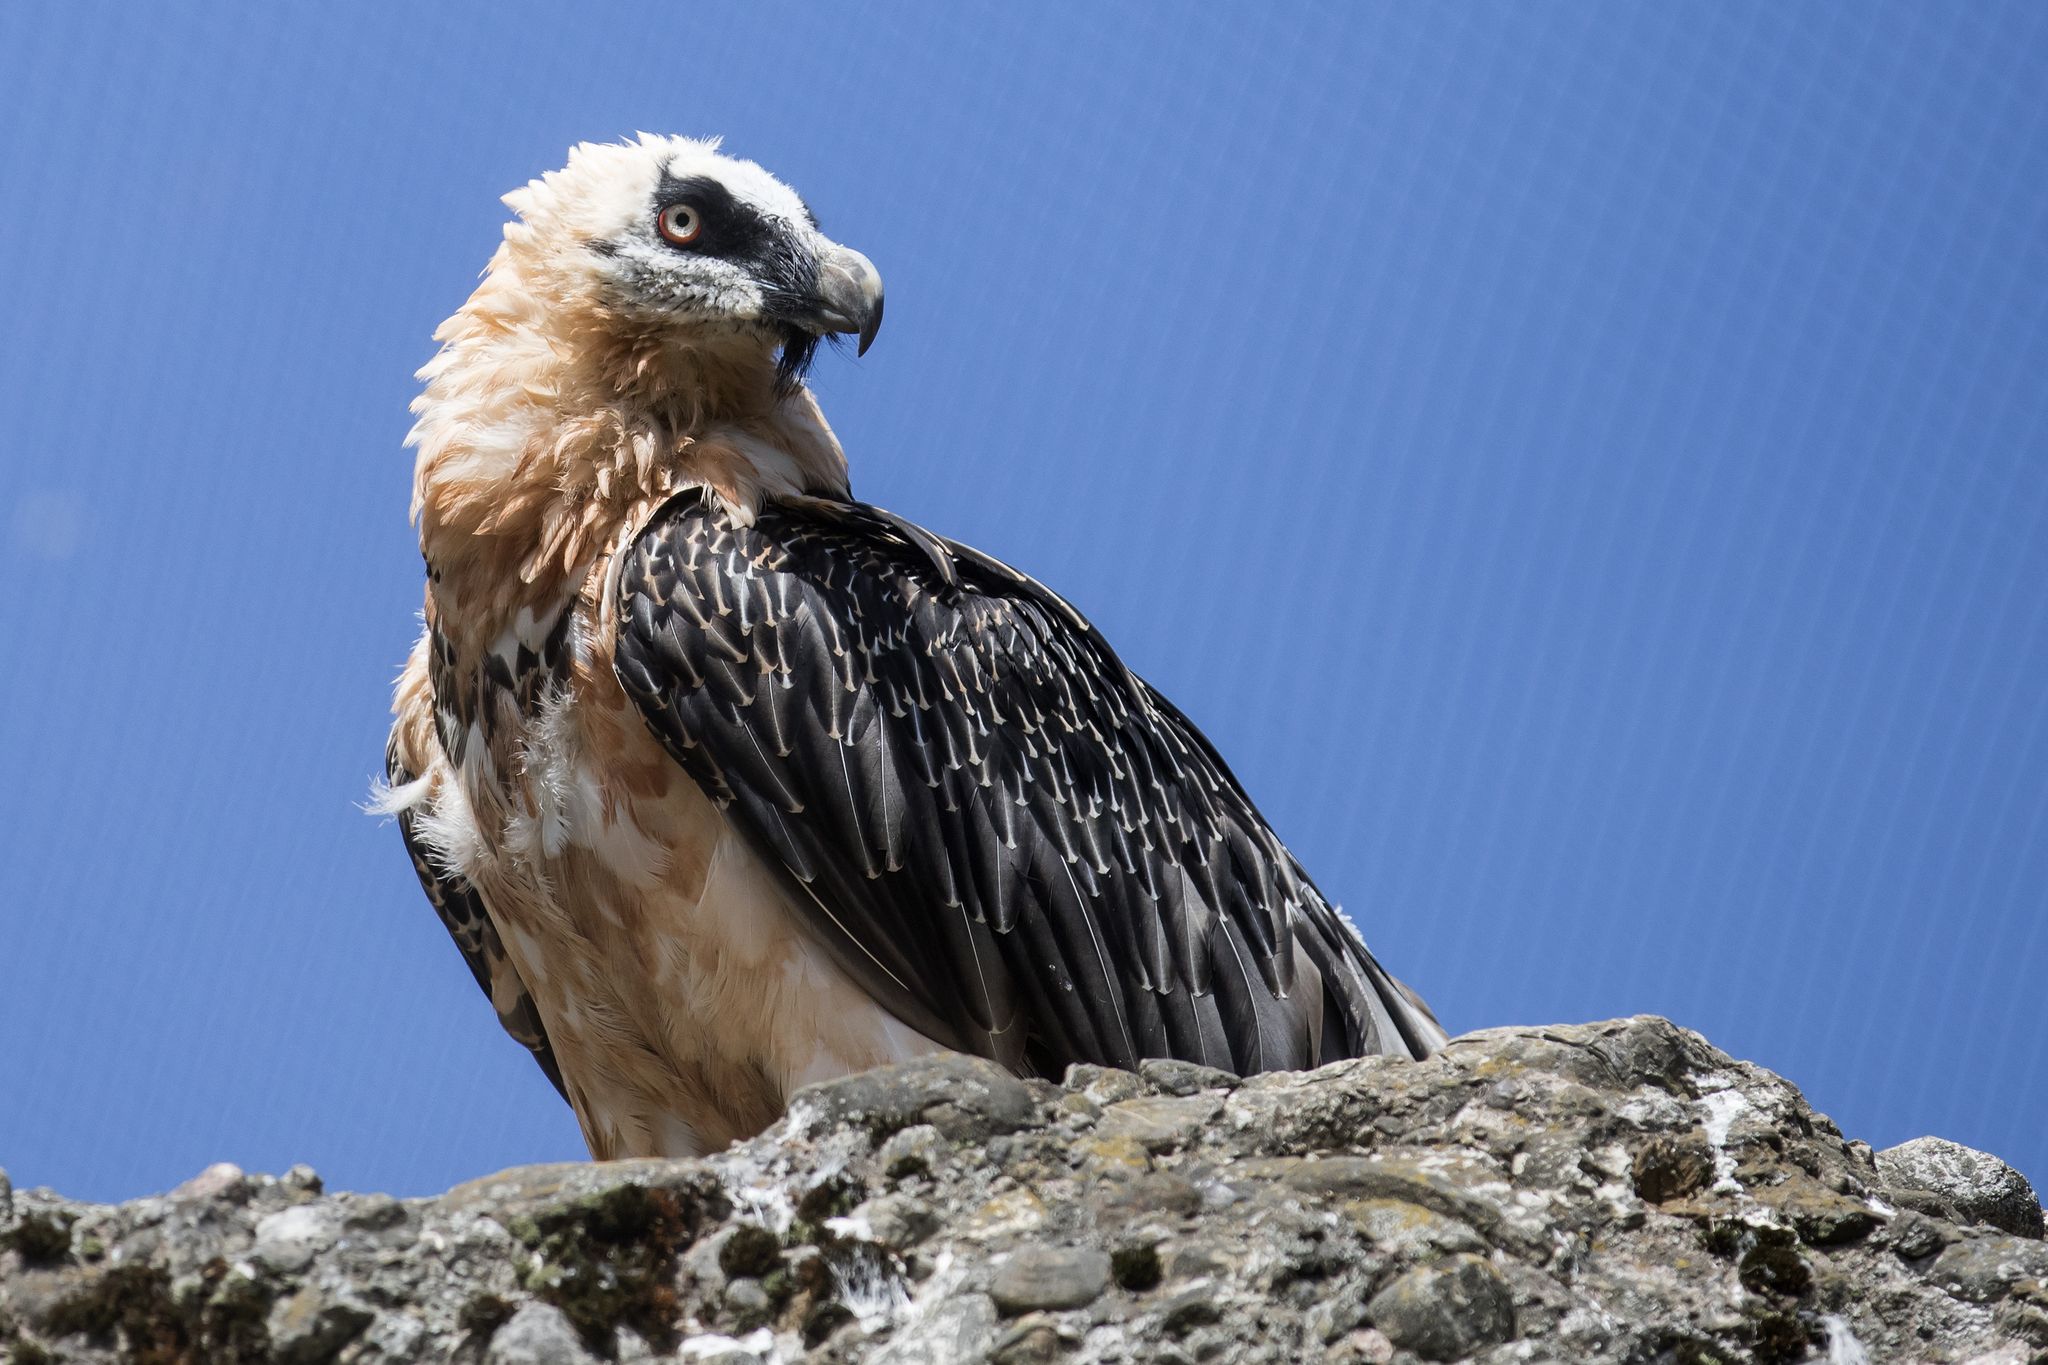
x,y
667,239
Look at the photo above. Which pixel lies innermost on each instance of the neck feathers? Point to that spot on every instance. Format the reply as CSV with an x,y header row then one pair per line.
x,y
548,430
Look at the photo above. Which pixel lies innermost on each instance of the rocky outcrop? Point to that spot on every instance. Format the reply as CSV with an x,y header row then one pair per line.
x,y
1610,1192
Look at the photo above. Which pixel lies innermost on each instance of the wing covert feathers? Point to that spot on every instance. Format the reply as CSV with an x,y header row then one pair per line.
x,y
1012,841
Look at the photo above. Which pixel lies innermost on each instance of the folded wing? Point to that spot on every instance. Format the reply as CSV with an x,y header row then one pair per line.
x,y
1013,842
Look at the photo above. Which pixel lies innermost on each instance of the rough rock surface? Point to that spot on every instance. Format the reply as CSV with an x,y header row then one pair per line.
x,y
1612,1192
1969,1186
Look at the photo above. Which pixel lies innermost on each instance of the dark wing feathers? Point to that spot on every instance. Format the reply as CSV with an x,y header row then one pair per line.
x,y
1012,841
469,924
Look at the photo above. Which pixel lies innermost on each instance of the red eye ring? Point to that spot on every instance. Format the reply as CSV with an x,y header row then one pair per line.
x,y
680,223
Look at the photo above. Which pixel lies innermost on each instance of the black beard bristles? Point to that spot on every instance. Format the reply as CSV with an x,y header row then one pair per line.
x,y
799,349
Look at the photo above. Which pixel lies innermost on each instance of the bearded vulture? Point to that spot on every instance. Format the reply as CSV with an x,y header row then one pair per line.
x,y
725,783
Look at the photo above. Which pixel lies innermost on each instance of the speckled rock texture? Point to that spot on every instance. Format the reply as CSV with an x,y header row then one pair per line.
x,y
1608,1192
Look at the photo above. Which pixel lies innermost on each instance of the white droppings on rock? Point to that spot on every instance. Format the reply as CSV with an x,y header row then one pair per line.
x,y
870,1283
1612,1159
1721,1108
801,1117
759,1343
852,1226
1843,1347
766,1204
947,1275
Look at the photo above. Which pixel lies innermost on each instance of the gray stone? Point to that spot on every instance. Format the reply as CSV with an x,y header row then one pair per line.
x,y
1445,1310
1366,1346
1159,1123
1188,1309
221,1180
1184,1078
289,1240
911,1151
961,1328
1103,1084
537,1335
311,1328
1050,1277
1454,1185
374,1213
1915,1235
1985,1269
898,1221
1410,1230
746,1299
1977,1184
1034,1341
965,1098
392,1337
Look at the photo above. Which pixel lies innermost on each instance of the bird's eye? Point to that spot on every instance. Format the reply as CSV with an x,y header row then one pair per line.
x,y
680,223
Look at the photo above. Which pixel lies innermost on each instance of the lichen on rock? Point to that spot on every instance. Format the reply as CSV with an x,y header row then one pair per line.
x,y
1606,1192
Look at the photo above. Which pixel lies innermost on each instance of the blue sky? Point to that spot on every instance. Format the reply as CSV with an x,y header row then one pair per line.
x,y
1585,465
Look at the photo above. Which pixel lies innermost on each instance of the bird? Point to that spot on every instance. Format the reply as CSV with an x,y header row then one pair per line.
x,y
726,783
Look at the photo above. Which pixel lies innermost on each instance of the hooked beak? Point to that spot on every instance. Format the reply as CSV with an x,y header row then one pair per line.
x,y
850,295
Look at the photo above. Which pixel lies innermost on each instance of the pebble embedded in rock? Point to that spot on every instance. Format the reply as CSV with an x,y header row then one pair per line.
x,y
302,1179
1986,1269
898,1221
959,1329
1051,1278
1977,1184
1031,1342
1446,1310
1193,1307
910,1151
1820,1216
221,1180
310,1328
965,1098
288,1240
1184,1078
1408,1230
1915,1235
1159,1123
374,1213
746,1299
1366,1346
1103,1084
537,1335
